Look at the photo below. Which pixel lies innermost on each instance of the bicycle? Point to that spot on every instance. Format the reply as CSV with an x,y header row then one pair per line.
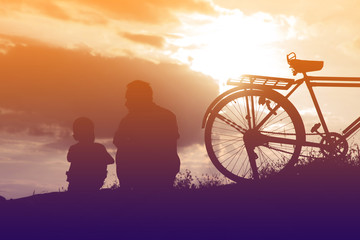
x,y
252,130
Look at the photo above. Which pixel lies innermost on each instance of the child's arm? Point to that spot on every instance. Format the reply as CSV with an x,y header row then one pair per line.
x,y
106,156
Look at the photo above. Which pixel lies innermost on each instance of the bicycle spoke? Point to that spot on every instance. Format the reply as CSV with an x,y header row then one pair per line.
x,y
242,165
236,115
228,135
278,149
246,162
281,127
224,129
269,129
270,121
261,114
228,152
248,112
232,140
232,156
273,117
231,123
241,112
252,111
223,147
236,160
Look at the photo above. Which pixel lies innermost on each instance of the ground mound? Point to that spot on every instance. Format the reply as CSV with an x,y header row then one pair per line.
x,y
301,206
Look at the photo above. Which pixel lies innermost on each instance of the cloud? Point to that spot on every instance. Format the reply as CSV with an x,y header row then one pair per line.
x,y
45,7
151,11
155,41
356,44
310,11
53,86
144,26
22,178
144,11
5,45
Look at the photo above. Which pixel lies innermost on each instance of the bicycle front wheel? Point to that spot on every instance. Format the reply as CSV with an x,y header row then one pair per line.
x,y
253,134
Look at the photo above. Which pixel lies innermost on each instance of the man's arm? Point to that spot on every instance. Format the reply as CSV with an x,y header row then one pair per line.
x,y
118,136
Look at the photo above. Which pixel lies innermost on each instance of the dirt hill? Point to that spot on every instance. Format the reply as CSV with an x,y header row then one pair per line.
x,y
299,207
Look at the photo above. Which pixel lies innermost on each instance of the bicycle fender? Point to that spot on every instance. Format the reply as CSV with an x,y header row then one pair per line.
x,y
222,96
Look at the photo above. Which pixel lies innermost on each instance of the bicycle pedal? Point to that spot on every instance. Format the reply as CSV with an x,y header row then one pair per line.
x,y
315,128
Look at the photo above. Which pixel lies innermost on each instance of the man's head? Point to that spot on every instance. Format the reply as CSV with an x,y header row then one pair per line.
x,y
138,95
83,129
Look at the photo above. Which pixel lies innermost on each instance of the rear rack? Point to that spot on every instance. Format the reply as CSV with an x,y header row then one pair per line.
x,y
257,81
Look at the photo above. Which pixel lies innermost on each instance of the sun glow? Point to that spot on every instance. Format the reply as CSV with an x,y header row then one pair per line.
x,y
233,44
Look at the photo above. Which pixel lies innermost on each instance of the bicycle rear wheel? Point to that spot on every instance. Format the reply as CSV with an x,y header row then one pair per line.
x,y
252,134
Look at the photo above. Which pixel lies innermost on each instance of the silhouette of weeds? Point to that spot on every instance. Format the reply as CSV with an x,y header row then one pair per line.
x,y
318,165
185,180
314,163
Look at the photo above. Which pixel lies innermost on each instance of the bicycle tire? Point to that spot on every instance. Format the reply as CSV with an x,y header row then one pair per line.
x,y
225,139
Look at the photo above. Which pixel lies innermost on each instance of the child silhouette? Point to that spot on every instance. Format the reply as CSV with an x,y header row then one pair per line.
x,y
89,160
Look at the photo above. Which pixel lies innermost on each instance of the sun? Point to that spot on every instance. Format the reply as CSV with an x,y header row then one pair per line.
x,y
230,45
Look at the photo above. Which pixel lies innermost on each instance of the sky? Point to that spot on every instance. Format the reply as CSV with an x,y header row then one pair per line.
x,y
60,60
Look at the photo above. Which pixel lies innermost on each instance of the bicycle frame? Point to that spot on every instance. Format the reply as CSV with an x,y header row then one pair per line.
x,y
315,81
292,86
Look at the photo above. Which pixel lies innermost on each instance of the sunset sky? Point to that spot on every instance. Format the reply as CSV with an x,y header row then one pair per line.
x,y
63,59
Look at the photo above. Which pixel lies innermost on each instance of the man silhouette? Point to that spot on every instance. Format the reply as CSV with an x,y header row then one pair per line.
x,y
146,142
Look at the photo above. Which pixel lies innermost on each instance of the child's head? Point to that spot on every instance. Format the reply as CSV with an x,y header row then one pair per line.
x,y
83,129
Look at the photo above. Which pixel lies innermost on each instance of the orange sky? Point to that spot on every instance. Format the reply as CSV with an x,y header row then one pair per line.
x,y
64,59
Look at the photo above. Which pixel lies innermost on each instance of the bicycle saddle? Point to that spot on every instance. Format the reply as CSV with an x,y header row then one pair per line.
x,y
303,66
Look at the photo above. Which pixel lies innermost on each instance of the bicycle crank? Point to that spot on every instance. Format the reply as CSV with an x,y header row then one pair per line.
x,y
334,145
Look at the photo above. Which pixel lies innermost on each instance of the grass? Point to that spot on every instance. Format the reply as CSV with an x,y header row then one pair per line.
x,y
315,165
186,180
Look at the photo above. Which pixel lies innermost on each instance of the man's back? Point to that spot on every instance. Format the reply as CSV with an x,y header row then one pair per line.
x,y
146,142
